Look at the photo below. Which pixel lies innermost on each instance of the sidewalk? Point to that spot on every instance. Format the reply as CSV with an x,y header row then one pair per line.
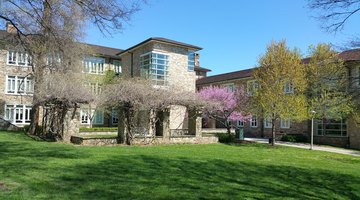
x,y
307,146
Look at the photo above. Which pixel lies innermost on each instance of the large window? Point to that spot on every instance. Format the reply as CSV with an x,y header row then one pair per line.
x,y
94,65
285,123
155,66
331,127
19,85
117,66
251,87
18,114
18,58
191,61
87,114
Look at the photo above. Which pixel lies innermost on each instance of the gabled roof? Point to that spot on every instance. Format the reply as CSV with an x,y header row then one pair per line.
x,y
350,55
163,40
225,77
105,51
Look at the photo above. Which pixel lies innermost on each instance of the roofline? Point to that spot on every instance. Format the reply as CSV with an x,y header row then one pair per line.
x,y
162,41
230,79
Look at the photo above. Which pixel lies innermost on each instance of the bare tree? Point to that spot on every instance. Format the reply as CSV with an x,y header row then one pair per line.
x,y
49,31
58,93
335,13
133,95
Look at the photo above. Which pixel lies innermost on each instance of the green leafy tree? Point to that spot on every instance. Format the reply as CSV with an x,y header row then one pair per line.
x,y
281,80
327,91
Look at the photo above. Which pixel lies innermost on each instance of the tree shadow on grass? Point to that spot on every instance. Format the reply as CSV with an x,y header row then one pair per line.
x,y
151,177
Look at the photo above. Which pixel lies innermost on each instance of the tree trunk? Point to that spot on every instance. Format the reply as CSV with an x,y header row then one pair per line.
x,y
273,132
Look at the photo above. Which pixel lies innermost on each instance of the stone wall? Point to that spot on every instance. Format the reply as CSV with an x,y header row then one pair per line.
x,y
145,141
5,125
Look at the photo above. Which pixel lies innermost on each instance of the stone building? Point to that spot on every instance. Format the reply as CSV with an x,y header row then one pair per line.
x,y
166,62
344,133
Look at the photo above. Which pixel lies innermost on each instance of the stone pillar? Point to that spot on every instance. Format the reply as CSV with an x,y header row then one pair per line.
x,y
166,125
195,124
353,133
121,126
71,124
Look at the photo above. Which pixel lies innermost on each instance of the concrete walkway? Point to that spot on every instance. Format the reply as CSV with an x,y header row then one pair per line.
x,y
307,146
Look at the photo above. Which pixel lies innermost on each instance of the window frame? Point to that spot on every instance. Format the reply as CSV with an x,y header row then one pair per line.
x,y
25,82
16,61
253,122
267,122
20,113
92,67
285,123
191,63
147,67
254,87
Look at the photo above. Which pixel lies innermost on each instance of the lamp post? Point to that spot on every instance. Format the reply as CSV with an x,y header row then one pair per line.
x,y
313,112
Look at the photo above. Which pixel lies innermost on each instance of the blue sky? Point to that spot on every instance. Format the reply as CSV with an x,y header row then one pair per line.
x,y
232,33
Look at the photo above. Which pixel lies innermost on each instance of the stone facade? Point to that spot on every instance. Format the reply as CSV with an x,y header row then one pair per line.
x,y
180,78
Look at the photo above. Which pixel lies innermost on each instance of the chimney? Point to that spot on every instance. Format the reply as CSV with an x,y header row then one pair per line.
x,y
10,28
197,62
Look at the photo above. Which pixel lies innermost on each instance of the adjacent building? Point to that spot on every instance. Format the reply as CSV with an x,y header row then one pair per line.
x,y
345,133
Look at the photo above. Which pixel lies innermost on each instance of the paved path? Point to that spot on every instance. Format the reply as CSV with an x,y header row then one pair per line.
x,y
307,146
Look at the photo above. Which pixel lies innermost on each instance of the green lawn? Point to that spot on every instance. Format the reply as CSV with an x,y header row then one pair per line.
x,y
40,170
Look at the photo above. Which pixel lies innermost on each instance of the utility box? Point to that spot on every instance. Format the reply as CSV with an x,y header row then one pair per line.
x,y
239,133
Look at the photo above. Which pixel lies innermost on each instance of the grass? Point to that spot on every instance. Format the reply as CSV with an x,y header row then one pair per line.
x,y
40,170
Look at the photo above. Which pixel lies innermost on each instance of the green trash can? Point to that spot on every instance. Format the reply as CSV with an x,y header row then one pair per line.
x,y
239,133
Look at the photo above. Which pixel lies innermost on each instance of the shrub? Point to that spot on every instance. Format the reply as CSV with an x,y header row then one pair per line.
x,y
294,138
85,129
225,137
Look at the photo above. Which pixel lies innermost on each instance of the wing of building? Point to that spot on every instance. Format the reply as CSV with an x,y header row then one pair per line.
x,y
344,133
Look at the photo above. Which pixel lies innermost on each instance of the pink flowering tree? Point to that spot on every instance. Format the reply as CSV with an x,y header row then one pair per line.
x,y
223,105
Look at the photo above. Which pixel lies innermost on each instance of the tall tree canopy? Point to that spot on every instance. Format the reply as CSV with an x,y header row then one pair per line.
x,y
281,80
328,92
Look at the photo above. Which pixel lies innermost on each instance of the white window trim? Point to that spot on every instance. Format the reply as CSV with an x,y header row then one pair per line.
x,y
97,69
93,113
16,92
256,122
282,124
17,59
24,107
